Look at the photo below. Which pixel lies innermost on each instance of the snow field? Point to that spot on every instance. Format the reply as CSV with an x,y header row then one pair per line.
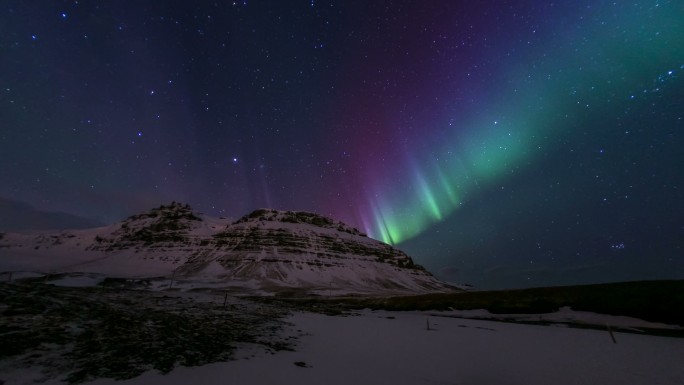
x,y
396,348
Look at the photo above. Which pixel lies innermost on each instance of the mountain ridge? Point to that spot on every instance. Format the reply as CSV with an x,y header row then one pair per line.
x,y
265,251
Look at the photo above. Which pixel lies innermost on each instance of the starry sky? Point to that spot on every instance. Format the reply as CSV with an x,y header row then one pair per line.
x,y
499,143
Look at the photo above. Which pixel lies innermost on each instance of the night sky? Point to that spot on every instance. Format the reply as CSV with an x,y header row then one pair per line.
x,y
499,143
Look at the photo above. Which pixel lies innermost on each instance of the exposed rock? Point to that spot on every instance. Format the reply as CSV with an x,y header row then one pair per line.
x,y
266,250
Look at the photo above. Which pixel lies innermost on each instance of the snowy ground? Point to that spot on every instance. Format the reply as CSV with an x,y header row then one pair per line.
x,y
79,334
58,331
565,316
395,348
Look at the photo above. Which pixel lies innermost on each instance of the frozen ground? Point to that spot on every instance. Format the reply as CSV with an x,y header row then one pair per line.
x,y
80,334
51,333
395,348
566,316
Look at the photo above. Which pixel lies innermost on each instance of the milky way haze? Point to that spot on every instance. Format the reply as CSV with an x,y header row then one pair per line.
x,y
502,143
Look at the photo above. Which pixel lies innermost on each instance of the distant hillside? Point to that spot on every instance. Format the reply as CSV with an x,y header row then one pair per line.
x,y
18,216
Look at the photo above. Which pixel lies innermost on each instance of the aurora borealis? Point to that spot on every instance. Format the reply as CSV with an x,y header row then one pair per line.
x,y
500,143
577,78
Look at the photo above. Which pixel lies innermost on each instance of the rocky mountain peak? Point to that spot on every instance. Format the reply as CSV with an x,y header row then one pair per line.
x,y
166,223
172,212
297,217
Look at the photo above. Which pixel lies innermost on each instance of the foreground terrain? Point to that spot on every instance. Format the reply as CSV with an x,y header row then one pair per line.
x,y
80,334
379,347
54,334
656,301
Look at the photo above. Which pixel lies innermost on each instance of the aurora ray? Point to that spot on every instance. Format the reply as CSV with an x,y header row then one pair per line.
x,y
543,102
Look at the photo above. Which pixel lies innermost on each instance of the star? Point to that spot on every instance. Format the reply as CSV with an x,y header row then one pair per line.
x,y
420,102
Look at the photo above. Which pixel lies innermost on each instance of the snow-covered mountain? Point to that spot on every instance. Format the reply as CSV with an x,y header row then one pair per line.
x,y
267,250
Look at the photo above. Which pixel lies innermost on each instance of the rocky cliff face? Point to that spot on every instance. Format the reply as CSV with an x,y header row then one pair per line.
x,y
165,226
267,250
287,233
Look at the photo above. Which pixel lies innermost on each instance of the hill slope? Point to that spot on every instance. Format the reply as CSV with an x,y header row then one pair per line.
x,y
267,250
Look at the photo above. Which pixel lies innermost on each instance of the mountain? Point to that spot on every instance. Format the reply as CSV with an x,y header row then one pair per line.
x,y
266,251
18,216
